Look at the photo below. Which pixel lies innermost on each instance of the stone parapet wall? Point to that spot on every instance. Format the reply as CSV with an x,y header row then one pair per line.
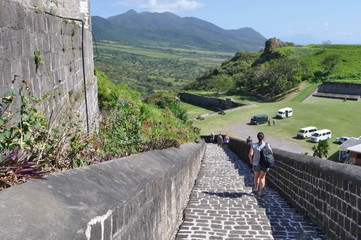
x,y
139,197
31,29
208,102
328,192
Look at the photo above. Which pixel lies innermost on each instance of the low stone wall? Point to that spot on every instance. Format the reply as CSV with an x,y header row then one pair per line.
x,y
208,102
138,197
340,88
328,192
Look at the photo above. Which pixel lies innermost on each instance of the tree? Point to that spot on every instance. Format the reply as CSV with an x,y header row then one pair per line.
x,y
326,43
321,149
329,63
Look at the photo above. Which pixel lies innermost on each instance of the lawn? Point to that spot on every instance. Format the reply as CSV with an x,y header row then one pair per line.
x,y
341,117
194,111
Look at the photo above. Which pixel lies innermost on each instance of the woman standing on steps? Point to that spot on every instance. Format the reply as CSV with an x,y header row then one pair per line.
x,y
259,181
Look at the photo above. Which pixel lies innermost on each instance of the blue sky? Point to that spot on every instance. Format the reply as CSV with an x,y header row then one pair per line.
x,y
298,21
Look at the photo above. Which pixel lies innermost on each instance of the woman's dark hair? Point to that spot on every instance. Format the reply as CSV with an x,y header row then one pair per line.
x,y
260,136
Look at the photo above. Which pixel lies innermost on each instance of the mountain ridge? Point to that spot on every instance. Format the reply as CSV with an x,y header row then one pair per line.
x,y
167,28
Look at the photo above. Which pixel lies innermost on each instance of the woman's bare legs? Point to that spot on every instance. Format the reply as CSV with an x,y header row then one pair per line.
x,y
256,181
262,181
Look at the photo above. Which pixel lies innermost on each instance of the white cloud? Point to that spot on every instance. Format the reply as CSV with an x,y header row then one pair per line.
x,y
310,29
326,25
164,5
345,34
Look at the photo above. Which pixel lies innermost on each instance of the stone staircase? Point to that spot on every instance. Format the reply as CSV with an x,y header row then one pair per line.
x,y
222,205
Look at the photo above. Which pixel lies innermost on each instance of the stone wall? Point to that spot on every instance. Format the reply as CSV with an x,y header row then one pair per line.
x,y
47,45
138,197
208,102
340,88
328,192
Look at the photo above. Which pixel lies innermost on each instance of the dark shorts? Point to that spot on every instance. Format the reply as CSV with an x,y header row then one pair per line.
x,y
259,168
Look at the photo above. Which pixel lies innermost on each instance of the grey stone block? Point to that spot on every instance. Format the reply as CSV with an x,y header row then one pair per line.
x,y
20,19
96,232
3,22
7,77
6,43
107,231
16,43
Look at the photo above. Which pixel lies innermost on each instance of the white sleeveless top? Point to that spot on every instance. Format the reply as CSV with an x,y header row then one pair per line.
x,y
257,152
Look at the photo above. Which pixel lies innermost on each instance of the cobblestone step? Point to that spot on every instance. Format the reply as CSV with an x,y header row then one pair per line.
x,y
223,207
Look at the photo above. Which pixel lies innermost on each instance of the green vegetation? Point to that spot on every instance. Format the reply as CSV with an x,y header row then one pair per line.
x,y
168,100
337,62
33,145
148,69
334,114
280,68
321,149
37,59
108,91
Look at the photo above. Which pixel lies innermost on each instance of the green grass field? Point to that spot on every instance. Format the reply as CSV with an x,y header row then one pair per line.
x,y
349,59
194,111
342,118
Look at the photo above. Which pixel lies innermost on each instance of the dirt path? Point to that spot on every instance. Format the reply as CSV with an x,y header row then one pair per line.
x,y
243,130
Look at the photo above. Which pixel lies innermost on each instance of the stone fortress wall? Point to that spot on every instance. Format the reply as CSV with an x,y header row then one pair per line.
x,y
340,88
347,91
208,102
47,45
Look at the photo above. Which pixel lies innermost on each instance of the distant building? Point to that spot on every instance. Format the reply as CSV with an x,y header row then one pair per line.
x,y
355,155
348,151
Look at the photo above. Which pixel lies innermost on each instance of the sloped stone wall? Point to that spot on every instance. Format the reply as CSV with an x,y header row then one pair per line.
x,y
47,46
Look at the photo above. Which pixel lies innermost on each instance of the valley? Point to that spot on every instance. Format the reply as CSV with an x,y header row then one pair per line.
x,y
149,69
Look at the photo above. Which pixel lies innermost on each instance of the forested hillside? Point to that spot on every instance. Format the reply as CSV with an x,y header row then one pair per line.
x,y
170,30
281,67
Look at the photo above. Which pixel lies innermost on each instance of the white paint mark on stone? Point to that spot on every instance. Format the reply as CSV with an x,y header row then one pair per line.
x,y
96,220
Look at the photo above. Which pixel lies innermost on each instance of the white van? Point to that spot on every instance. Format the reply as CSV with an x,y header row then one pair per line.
x,y
284,112
306,132
320,135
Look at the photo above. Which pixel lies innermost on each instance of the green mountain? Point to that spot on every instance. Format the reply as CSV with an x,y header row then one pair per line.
x,y
170,30
282,67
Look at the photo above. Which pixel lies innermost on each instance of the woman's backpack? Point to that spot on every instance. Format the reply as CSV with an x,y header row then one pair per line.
x,y
267,159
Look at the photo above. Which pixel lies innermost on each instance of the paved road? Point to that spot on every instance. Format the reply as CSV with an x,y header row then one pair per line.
x,y
222,205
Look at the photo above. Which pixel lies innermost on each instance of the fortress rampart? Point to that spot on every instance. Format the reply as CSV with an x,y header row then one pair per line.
x,y
47,46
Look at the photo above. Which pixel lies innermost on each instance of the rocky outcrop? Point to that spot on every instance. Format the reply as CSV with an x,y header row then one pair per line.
x,y
269,53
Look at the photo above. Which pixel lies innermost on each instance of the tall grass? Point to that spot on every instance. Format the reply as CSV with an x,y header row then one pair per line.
x,y
348,66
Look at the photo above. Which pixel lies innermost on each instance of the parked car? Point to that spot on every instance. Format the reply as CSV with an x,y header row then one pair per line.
x,y
306,132
320,135
284,113
259,119
341,139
